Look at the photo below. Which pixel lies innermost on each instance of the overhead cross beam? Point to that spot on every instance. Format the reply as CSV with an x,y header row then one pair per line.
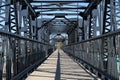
x,y
52,14
36,7
54,1
68,10
46,23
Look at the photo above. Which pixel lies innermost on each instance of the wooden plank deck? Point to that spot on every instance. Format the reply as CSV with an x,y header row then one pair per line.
x,y
59,66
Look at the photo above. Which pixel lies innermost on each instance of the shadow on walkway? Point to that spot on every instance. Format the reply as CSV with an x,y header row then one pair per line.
x,y
58,69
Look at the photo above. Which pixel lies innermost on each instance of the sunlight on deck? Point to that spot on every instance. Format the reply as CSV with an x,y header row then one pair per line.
x,y
59,66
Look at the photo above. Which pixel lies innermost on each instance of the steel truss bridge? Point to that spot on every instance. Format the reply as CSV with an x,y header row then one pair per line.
x,y
88,31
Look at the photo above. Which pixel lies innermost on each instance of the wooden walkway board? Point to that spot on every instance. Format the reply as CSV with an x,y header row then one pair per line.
x,y
59,66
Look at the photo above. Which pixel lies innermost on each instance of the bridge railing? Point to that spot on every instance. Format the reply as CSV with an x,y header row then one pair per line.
x,y
19,55
100,55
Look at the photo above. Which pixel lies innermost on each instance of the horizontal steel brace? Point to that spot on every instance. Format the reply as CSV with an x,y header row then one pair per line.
x,y
56,14
59,8
54,1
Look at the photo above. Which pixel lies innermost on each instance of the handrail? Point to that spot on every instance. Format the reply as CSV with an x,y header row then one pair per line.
x,y
27,70
81,56
100,71
98,37
18,36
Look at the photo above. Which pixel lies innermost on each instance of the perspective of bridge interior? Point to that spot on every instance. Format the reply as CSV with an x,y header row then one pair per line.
x,y
59,39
